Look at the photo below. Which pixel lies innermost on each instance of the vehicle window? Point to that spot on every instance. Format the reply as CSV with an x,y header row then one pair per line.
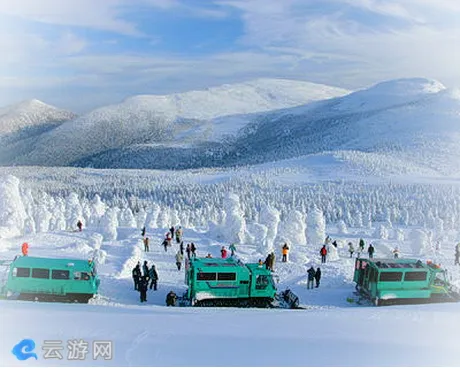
x,y
60,274
206,276
21,272
261,282
415,276
226,276
40,273
390,276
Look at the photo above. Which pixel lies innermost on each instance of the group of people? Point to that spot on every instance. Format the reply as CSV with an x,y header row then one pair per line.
x,y
313,276
361,248
142,277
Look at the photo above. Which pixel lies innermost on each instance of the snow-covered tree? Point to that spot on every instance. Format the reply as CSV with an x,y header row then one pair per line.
x,y
235,225
73,211
316,225
42,219
342,227
270,218
127,218
257,233
381,232
419,241
399,235
141,217
164,220
12,211
109,224
98,209
292,230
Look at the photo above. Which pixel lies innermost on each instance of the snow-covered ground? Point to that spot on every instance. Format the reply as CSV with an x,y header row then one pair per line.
x,y
331,331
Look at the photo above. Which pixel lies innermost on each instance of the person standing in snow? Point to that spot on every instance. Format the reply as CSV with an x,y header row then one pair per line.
x,y
179,235
396,252
285,252
193,249
136,275
311,277
318,276
25,249
79,225
323,253
351,249
232,249
371,251
268,261
361,247
172,231
146,244
181,247
153,275
143,283
272,261
143,232
179,259
145,269
188,250
223,252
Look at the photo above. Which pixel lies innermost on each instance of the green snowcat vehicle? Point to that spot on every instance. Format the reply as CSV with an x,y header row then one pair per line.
x,y
230,282
403,281
49,279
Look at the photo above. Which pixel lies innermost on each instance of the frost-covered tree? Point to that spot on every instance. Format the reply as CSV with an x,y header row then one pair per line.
x,y
419,241
257,233
235,225
141,217
12,211
73,211
381,232
98,209
270,218
342,227
127,218
163,219
109,224
42,219
152,216
292,230
29,226
399,235
316,225
174,218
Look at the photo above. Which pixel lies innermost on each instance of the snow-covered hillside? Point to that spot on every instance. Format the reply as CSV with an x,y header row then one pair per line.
x,y
30,113
397,127
168,120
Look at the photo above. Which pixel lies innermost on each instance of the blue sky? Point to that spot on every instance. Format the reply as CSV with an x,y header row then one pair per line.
x,y
80,54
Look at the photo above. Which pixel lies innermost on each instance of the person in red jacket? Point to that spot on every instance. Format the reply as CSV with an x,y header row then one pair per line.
x,y
25,249
323,253
223,252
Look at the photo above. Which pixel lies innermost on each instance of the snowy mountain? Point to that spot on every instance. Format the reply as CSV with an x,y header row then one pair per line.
x,y
398,127
172,119
29,114
411,123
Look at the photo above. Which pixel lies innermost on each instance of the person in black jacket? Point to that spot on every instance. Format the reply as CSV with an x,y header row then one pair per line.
x,y
137,275
153,275
317,276
143,283
311,276
171,299
145,269
371,251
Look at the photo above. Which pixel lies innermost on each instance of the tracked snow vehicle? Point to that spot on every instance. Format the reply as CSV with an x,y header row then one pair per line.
x,y
49,279
403,281
230,282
